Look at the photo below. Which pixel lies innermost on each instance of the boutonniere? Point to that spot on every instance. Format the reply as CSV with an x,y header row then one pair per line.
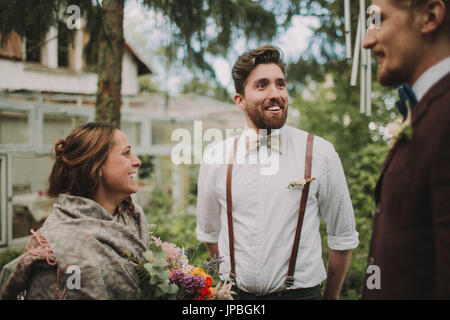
x,y
400,130
300,183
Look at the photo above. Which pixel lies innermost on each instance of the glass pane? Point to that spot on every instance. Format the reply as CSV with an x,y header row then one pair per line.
x,y
29,183
13,127
162,131
133,132
59,126
2,198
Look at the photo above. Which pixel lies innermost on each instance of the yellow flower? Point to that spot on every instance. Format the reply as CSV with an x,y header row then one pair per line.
x,y
199,272
300,183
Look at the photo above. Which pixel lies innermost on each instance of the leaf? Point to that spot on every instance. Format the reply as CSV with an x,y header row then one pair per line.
x,y
163,275
160,262
153,280
173,289
155,249
149,268
164,287
148,255
158,292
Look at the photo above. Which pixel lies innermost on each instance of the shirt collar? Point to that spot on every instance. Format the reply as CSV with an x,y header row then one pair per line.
x,y
430,77
283,133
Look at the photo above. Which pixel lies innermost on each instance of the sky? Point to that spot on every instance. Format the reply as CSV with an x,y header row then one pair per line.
x,y
145,31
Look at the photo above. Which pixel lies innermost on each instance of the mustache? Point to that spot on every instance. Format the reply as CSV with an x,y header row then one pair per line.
x,y
274,101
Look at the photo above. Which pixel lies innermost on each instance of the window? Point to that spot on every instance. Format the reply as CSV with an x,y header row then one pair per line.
x,y
14,127
63,45
3,199
3,42
59,126
33,45
30,205
133,132
162,131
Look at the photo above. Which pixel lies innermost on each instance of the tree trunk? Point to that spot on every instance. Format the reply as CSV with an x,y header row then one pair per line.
x,y
110,63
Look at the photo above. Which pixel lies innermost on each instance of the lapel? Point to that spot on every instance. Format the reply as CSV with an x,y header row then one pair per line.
x,y
418,113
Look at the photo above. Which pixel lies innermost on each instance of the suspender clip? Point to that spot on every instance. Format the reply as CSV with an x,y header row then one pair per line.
x,y
289,282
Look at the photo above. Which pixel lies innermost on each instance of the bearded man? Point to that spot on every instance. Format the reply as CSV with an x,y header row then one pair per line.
x,y
266,226
411,233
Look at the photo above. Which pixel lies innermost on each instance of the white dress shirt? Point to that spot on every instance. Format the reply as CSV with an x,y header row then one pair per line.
x,y
265,213
430,77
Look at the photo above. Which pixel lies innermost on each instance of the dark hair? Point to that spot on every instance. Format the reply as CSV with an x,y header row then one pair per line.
x,y
250,59
78,160
415,4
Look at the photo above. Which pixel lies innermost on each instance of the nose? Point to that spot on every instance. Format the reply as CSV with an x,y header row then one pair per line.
x,y
136,162
369,40
273,91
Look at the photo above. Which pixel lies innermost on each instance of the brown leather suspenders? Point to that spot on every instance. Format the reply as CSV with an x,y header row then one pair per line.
x,y
303,199
230,211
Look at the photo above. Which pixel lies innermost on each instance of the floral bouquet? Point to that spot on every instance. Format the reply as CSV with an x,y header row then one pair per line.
x,y
164,272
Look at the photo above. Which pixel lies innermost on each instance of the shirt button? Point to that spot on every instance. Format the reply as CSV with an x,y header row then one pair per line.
x,y
378,207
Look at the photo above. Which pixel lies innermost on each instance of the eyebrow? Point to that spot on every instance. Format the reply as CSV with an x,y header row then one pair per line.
x,y
267,79
127,147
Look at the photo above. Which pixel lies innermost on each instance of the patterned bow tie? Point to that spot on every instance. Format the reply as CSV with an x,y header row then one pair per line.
x,y
272,142
407,98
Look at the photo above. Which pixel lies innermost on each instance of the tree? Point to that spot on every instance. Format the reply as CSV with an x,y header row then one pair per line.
x,y
190,39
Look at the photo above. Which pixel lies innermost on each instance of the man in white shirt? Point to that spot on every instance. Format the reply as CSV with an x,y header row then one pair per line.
x,y
411,236
265,204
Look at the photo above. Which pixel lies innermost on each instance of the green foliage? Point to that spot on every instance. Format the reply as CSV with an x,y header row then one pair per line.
x,y
147,166
175,227
147,85
153,276
207,88
362,178
7,256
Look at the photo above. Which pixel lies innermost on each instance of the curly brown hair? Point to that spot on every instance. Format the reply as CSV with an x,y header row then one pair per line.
x,y
250,59
78,160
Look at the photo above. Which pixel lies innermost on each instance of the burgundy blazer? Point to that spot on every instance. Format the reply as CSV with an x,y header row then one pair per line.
x,y
411,234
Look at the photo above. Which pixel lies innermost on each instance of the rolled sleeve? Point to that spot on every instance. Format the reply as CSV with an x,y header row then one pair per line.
x,y
208,207
335,205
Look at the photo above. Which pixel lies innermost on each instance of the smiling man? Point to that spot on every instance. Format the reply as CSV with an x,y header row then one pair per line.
x,y
254,220
411,237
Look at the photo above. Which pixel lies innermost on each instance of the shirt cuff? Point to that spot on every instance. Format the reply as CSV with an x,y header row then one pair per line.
x,y
343,242
207,237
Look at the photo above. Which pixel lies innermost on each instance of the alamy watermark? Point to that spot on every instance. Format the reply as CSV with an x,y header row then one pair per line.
x,y
374,20
74,280
374,280
189,149
74,20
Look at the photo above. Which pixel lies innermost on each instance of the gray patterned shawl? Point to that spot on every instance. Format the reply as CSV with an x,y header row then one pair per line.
x,y
79,232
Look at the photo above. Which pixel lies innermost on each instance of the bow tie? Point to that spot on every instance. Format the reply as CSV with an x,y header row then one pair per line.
x,y
272,142
407,99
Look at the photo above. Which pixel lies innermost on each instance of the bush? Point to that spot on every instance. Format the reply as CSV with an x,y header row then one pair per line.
x,y
7,256
175,227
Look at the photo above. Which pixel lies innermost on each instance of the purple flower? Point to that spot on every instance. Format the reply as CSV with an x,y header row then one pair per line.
x,y
193,283
177,277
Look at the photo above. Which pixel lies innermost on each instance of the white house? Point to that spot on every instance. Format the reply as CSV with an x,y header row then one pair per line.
x,y
47,90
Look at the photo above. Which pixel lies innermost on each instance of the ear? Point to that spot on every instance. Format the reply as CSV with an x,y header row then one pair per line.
x,y
433,16
240,101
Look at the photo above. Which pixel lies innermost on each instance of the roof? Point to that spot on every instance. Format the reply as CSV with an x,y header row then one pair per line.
x,y
143,68
13,51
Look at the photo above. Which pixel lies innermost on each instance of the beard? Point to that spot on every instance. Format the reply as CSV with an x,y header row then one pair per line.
x,y
394,78
262,120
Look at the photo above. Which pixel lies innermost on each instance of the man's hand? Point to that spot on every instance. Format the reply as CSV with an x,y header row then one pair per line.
x,y
213,249
338,263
